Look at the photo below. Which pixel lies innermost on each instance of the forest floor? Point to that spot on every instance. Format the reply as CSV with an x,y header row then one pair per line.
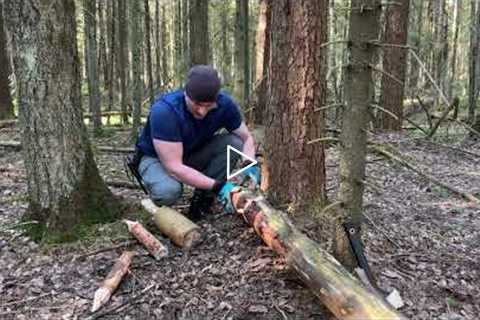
x,y
420,239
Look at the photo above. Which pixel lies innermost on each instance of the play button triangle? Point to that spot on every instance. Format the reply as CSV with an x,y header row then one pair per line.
x,y
230,174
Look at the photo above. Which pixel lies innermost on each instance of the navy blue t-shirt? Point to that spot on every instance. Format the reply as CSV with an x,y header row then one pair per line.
x,y
170,120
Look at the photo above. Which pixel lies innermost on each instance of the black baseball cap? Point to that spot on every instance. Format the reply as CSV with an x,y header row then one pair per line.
x,y
203,83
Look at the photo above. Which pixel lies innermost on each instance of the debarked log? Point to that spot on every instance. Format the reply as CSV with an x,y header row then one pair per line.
x,y
157,249
113,279
336,288
174,225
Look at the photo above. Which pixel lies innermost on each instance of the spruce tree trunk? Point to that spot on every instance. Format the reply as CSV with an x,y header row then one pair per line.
x,y
178,43
199,40
240,91
262,59
136,66
102,50
359,88
159,47
122,57
6,104
186,6
166,49
226,56
456,22
148,53
64,186
394,65
472,70
415,69
111,59
294,172
89,11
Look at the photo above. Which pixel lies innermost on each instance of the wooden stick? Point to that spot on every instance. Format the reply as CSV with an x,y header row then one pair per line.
x,y
339,290
113,279
176,226
455,102
152,244
464,195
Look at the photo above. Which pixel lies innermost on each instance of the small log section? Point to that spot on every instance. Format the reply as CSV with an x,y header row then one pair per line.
x,y
177,227
113,279
152,244
336,288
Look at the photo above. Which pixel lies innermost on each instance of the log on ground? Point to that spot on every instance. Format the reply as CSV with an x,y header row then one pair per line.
x,y
174,225
157,249
113,279
339,291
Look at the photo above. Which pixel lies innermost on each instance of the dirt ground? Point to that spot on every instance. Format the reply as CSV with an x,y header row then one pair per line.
x,y
420,239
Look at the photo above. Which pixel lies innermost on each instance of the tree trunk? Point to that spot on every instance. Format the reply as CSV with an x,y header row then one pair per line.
x,y
64,186
136,66
112,62
199,46
6,104
226,56
394,65
415,70
472,78
148,53
359,88
338,290
262,59
102,44
159,47
186,6
178,43
240,91
166,49
294,169
91,60
456,22
123,59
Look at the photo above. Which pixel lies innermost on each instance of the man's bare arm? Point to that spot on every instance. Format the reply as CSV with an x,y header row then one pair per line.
x,y
247,138
171,154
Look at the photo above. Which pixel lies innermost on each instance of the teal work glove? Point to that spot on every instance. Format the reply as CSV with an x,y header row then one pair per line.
x,y
223,190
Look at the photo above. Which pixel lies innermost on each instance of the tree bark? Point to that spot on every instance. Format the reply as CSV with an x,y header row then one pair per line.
x,y
394,65
123,59
111,59
338,290
136,66
415,70
240,90
6,104
456,22
359,88
262,59
199,40
159,47
148,53
473,58
64,186
294,171
226,56
90,24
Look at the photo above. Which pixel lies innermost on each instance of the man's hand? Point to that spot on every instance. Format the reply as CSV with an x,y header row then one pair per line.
x,y
223,190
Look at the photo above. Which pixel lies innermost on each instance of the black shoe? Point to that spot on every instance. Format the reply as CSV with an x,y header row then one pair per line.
x,y
200,205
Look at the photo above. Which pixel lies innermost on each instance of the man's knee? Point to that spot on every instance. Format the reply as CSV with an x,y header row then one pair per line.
x,y
165,194
234,141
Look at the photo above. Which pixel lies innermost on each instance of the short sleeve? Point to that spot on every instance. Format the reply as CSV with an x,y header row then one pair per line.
x,y
233,117
164,124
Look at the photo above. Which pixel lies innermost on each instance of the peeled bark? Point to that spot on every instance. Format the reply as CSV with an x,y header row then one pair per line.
x,y
338,290
174,225
64,187
152,244
113,279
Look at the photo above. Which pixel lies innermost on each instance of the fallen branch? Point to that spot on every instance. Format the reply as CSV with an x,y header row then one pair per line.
x,y
8,123
403,162
122,184
174,225
455,102
110,284
339,290
93,253
152,244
